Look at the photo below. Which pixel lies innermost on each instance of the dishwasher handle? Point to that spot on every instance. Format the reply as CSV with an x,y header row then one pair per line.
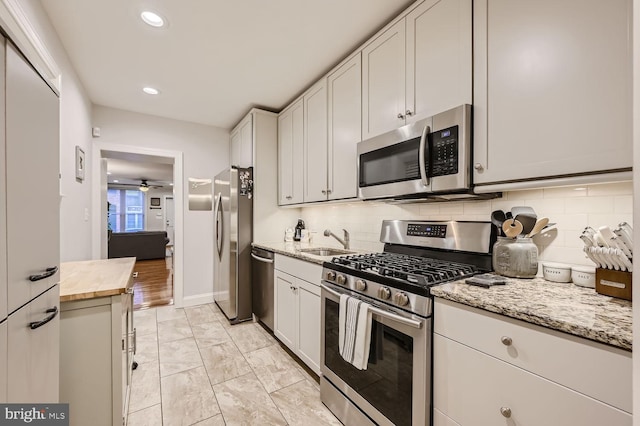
x,y
261,259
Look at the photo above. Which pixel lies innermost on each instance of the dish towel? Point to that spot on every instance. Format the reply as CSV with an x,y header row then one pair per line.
x,y
354,331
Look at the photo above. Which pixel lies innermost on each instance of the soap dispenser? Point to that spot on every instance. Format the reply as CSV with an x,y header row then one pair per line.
x,y
298,233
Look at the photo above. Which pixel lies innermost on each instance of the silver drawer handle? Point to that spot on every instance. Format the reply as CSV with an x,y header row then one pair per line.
x,y
506,340
261,259
505,411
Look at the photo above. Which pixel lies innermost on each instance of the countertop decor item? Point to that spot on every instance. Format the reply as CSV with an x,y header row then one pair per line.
x,y
515,257
584,276
556,272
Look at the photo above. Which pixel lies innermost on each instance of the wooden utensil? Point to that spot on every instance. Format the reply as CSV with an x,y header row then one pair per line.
x,y
540,223
511,228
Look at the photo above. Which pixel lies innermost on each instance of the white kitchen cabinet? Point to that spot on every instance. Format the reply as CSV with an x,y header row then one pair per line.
x,y
97,345
383,82
344,87
32,173
315,142
297,308
290,154
552,89
33,350
242,143
418,67
484,363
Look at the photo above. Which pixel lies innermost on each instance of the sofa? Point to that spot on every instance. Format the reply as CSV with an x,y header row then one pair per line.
x,y
143,245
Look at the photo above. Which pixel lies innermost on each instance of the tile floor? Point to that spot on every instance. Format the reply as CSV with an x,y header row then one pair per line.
x,y
196,369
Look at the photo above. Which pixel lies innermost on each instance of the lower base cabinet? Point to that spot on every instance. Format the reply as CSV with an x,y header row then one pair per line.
x,y
97,342
490,370
297,308
3,362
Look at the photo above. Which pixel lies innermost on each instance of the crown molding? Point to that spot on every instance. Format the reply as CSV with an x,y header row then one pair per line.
x,y
16,25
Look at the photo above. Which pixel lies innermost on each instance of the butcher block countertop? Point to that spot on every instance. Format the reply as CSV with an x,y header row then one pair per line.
x,y
90,279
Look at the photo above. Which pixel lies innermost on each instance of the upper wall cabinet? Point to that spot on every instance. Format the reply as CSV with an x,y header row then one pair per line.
x,y
552,88
345,100
290,154
242,143
315,142
418,67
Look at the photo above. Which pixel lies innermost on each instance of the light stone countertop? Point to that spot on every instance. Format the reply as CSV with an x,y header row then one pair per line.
x,y
90,279
293,250
560,306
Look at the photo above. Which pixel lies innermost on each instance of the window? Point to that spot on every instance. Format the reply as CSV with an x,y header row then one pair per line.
x,y
126,210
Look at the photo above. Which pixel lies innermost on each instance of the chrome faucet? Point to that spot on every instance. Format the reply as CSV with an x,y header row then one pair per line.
x,y
345,242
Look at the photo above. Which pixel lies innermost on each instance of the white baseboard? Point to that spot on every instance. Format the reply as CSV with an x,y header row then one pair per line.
x,y
198,299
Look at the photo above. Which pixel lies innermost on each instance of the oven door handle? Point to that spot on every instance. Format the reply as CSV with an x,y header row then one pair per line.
x,y
424,152
381,312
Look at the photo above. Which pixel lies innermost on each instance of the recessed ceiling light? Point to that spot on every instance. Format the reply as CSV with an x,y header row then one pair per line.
x,y
152,18
116,181
580,189
171,184
150,90
108,173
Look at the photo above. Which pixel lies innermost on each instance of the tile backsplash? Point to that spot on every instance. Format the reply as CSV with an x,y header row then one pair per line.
x,y
571,208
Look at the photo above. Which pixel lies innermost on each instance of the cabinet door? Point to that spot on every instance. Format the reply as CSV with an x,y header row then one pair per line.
x,y
438,57
3,190
3,362
309,324
552,83
286,306
315,143
383,82
345,128
34,354
33,204
290,154
235,147
246,143
472,388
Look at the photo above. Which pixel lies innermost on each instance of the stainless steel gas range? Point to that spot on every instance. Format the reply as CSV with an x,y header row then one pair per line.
x,y
395,388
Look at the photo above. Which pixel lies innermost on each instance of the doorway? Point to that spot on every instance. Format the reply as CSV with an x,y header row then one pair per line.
x,y
154,217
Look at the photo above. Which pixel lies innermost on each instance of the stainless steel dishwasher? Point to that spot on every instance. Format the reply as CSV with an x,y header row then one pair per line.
x,y
262,285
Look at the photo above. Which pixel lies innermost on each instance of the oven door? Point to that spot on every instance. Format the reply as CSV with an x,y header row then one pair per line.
x,y
396,386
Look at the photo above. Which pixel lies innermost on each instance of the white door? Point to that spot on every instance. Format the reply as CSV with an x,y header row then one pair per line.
x,y
3,362
315,143
169,212
286,305
309,324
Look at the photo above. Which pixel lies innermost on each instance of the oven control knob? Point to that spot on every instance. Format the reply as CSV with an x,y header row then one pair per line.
x,y
384,293
401,299
331,276
361,285
341,279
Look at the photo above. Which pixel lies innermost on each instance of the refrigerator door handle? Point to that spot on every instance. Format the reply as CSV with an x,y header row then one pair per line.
x,y
219,224
37,324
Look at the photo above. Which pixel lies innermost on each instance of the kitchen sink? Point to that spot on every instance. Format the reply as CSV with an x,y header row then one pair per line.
x,y
325,251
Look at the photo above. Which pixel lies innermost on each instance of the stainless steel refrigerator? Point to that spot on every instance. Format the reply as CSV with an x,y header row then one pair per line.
x,y
233,191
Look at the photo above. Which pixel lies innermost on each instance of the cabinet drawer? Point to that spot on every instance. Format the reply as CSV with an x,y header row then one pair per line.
x,y
307,271
473,388
594,369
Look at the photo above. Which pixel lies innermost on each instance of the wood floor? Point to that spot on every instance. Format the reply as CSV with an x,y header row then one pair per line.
x,y
154,284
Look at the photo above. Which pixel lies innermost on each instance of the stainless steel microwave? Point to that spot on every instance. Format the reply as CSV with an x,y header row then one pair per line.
x,y
429,156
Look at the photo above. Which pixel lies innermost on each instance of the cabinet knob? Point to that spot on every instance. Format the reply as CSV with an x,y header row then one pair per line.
x,y
506,340
478,166
400,116
408,113
505,411
288,197
324,191
328,191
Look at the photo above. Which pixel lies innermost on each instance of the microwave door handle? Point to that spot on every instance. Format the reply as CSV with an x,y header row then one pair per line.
x,y
424,152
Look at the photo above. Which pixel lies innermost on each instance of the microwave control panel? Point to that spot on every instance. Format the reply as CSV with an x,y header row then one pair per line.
x,y
444,152
426,230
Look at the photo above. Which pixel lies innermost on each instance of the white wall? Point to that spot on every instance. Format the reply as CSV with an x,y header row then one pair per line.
x,y
205,153
570,207
75,129
154,217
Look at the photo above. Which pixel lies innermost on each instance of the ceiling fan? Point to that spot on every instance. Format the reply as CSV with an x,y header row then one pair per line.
x,y
143,186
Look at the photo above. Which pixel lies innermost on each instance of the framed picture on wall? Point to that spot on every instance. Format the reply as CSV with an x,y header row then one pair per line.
x,y
80,164
154,202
